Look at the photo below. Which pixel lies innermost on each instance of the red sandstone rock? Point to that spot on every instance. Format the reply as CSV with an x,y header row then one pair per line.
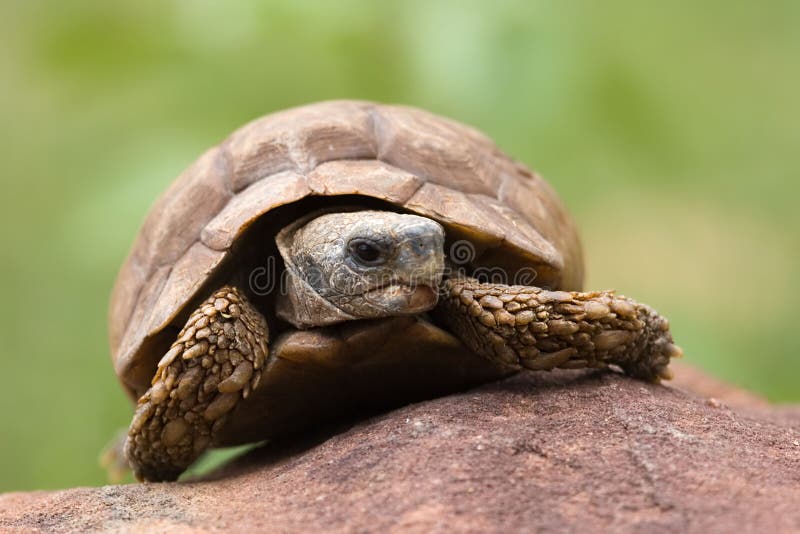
x,y
564,451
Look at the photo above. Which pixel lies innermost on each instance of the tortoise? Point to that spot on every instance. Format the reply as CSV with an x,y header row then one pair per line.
x,y
345,257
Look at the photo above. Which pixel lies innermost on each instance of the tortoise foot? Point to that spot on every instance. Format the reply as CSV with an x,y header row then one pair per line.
x,y
215,362
538,329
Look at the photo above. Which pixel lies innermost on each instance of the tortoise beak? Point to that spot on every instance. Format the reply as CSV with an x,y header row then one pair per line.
x,y
403,299
423,298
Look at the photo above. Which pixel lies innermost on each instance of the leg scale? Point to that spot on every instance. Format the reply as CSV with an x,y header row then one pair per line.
x,y
215,362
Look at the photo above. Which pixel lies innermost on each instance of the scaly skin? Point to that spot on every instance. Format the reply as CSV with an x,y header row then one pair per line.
x,y
215,362
538,329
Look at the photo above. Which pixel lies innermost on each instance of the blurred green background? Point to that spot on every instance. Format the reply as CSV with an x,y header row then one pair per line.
x,y
671,129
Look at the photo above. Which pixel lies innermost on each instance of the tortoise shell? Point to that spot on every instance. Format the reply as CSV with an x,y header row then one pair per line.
x,y
400,157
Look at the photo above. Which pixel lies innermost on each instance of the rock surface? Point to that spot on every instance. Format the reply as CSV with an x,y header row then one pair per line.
x,y
564,451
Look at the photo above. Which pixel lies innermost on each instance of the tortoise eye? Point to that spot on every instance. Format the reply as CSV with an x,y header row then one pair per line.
x,y
366,252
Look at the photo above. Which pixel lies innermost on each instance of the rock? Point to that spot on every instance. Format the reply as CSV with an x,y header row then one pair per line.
x,y
545,452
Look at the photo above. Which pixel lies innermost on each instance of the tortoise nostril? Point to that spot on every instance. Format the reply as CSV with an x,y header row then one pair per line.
x,y
421,246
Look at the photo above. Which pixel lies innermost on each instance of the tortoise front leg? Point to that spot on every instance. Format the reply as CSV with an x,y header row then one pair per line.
x,y
539,329
215,362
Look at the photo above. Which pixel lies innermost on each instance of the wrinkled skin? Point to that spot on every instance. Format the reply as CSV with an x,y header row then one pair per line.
x,y
360,265
347,266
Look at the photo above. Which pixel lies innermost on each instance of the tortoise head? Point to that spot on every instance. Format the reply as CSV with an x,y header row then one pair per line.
x,y
359,265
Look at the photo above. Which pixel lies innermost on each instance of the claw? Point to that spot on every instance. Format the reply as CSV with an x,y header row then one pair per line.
x,y
666,374
674,351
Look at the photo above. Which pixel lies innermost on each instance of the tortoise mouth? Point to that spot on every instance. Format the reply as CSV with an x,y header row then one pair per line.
x,y
398,298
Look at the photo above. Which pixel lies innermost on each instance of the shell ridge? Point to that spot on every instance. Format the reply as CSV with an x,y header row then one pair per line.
x,y
422,182
301,161
227,158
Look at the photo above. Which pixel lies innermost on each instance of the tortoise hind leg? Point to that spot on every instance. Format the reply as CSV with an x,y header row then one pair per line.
x,y
214,363
538,329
